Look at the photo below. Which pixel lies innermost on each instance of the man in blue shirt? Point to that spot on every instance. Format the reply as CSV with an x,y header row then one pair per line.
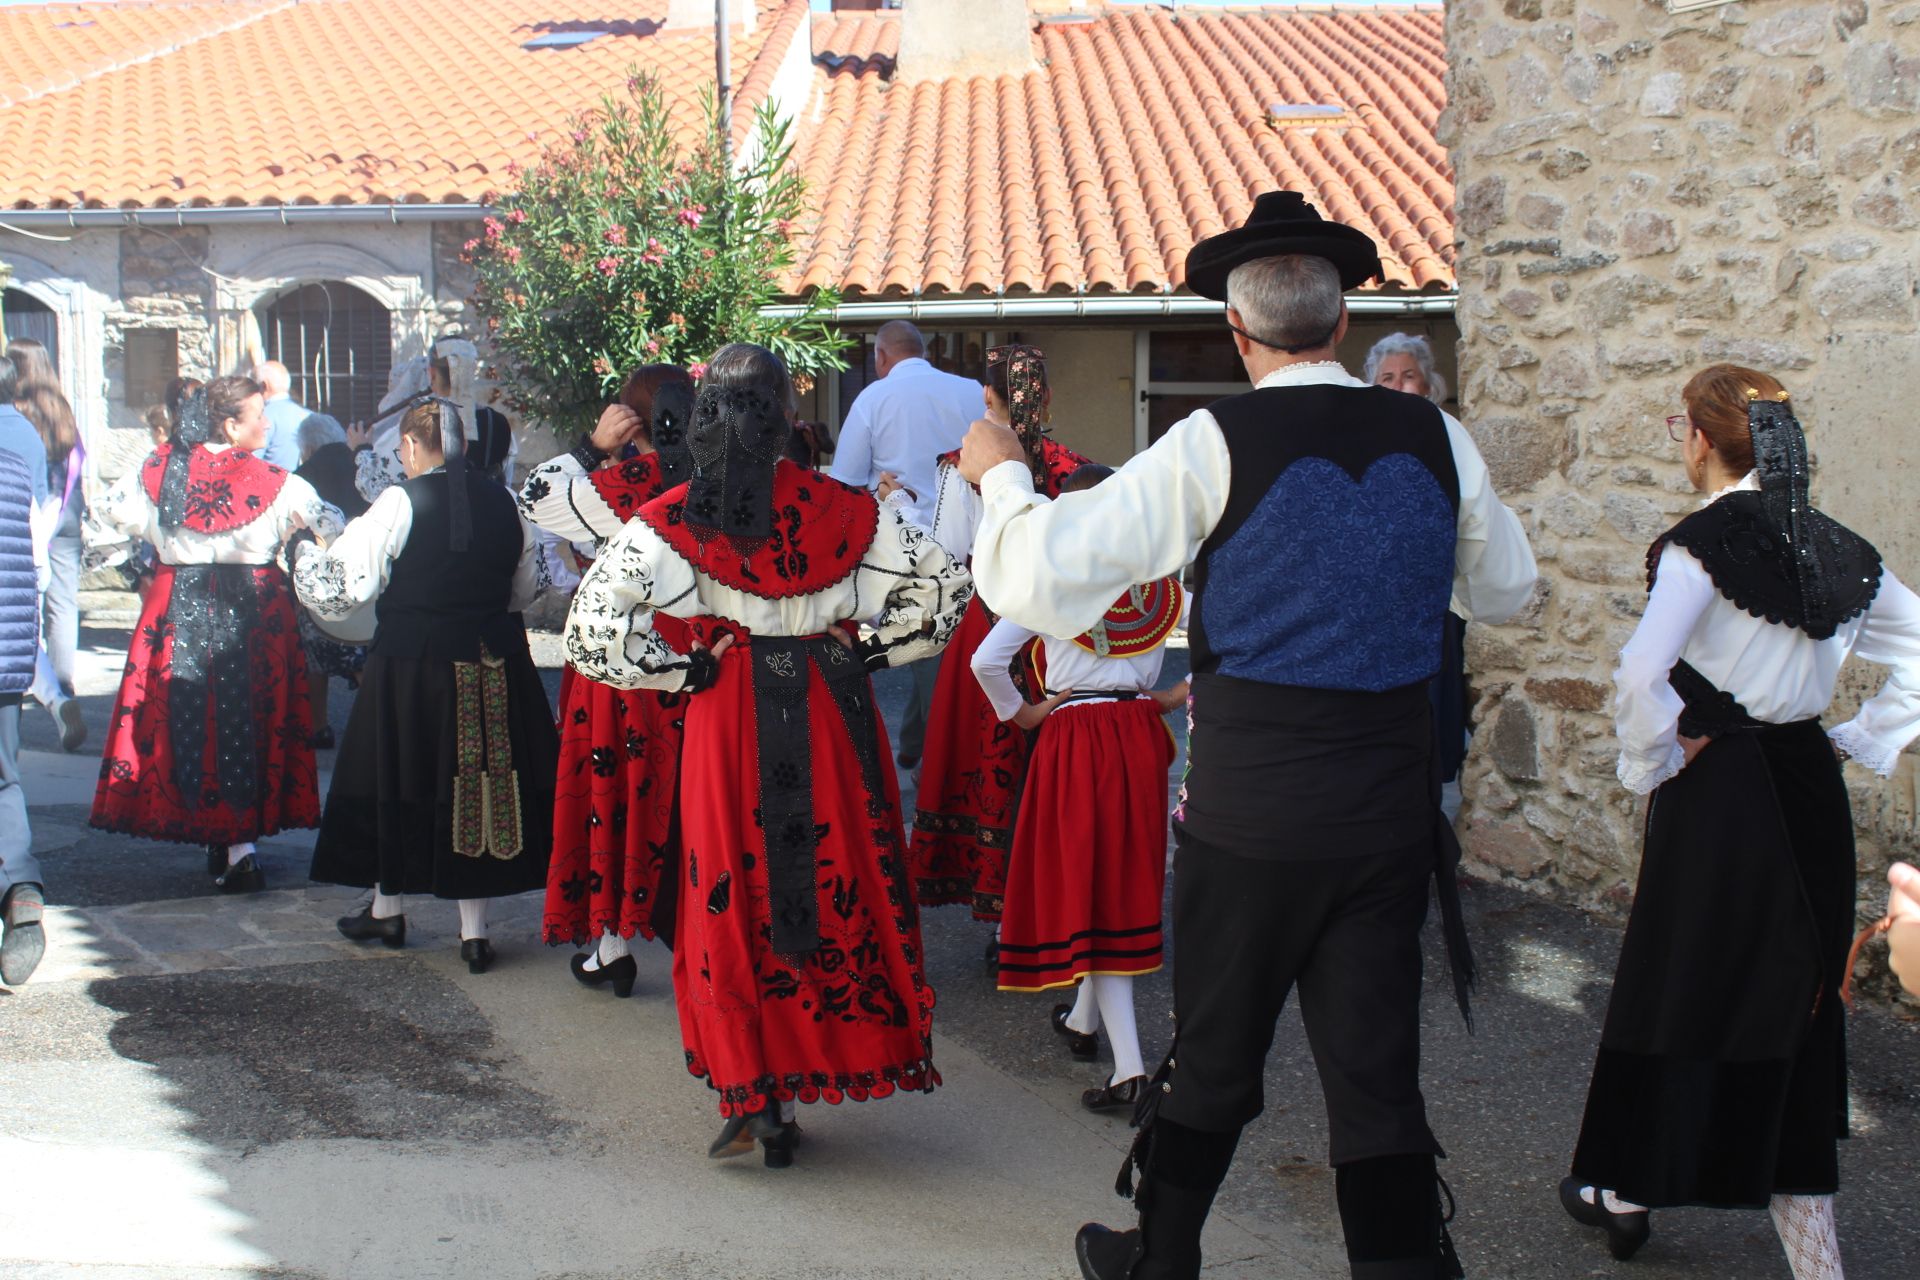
x,y
284,415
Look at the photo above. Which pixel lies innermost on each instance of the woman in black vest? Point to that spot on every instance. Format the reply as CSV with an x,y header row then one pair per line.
x,y
447,769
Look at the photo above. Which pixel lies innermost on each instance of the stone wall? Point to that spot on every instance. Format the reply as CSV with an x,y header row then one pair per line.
x,y
162,286
1642,194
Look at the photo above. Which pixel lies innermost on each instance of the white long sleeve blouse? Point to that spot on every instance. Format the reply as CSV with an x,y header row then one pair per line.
x,y
127,509
1778,673
347,576
906,586
1151,517
560,497
1068,667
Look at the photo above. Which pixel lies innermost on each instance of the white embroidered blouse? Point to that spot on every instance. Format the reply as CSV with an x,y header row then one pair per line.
x,y
911,591
127,508
1778,673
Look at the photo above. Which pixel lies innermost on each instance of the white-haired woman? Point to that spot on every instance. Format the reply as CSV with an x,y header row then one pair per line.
x,y
1404,362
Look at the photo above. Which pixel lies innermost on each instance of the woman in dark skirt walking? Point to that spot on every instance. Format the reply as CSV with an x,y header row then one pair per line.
x,y
1721,1078
446,771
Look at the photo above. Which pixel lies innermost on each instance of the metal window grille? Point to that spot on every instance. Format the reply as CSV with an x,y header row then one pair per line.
x,y
24,316
337,343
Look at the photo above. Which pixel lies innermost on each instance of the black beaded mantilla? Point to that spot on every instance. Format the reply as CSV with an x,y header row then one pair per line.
x,y
214,608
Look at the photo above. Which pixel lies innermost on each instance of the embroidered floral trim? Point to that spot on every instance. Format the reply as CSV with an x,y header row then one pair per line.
x,y
1641,778
918,1076
821,531
226,490
1863,749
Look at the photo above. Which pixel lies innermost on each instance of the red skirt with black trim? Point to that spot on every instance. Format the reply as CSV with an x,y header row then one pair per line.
x,y
1090,856
970,781
855,1018
137,793
613,804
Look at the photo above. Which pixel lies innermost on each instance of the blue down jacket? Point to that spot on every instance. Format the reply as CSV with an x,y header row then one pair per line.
x,y
19,582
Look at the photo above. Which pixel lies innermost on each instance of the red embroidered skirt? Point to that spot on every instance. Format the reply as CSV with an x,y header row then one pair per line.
x,y
970,780
613,805
1090,856
855,1018
138,792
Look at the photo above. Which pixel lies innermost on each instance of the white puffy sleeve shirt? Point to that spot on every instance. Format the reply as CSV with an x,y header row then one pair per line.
x,y
906,586
127,508
1778,673
559,496
348,575
1056,566
1069,667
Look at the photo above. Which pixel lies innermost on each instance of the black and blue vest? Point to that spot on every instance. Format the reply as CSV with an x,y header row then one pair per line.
x,y
1320,600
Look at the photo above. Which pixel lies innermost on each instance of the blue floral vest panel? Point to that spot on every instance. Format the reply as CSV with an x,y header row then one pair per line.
x,y
1333,563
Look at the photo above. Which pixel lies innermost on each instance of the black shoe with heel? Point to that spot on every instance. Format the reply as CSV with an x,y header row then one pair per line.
x,y
740,1132
244,876
1084,1046
621,973
1626,1232
1114,1097
216,860
391,931
477,952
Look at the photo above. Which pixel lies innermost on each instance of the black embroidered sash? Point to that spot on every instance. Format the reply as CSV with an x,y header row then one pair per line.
x,y
781,714
214,609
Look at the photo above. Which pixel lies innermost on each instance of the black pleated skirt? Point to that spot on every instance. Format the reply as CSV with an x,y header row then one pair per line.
x,y
389,817
1721,1078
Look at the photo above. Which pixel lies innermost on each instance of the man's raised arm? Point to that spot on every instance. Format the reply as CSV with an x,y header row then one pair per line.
x,y
1056,567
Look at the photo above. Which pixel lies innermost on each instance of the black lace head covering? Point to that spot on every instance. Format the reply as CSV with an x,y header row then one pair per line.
x,y
192,430
738,435
669,430
1820,553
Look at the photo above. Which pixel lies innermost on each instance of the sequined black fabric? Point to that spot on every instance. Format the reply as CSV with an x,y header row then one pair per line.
x,y
736,439
194,430
214,608
673,451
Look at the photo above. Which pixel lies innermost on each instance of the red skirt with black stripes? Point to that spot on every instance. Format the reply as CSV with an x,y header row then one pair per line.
x,y
1089,864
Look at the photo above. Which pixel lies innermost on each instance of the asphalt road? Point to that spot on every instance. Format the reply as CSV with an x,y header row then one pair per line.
x,y
197,1086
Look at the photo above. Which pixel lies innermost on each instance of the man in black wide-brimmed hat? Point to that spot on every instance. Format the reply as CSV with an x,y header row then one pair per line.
x,y
1327,523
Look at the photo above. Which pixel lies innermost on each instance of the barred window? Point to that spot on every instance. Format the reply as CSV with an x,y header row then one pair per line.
x,y
337,342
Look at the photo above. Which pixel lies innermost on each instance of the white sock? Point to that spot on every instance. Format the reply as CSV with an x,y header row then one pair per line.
x,y
386,906
1809,1235
1613,1202
787,1110
1115,998
473,918
612,947
236,852
1085,1017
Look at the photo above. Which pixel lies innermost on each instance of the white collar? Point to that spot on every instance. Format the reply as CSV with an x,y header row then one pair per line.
x,y
211,447
1310,374
1747,483
912,364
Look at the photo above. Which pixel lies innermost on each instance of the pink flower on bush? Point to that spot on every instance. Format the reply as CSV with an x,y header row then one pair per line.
x,y
697,371
511,253
653,347
706,253
516,216
601,367
615,234
495,228
690,216
608,266
470,245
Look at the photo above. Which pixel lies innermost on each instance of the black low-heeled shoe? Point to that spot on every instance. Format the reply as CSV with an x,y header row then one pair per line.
x,y
362,927
216,860
1082,1045
740,1132
244,876
1114,1097
1105,1254
779,1147
1626,1232
477,952
621,973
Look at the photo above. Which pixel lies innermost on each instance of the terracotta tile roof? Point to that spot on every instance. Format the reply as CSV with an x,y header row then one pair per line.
x,y
1138,135
242,102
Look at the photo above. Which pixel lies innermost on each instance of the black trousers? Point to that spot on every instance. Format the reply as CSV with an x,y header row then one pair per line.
x,y
1346,932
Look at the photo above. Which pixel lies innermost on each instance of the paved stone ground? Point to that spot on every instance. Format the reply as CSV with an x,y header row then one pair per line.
x,y
196,1086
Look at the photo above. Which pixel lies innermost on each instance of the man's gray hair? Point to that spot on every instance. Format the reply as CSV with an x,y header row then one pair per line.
x,y
900,340
317,430
1409,344
1290,302
272,377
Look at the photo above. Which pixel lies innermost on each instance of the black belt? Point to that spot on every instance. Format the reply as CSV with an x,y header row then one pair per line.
x,y
1106,695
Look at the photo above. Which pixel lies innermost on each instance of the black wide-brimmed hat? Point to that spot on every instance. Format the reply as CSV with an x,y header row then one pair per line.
x,y
1281,222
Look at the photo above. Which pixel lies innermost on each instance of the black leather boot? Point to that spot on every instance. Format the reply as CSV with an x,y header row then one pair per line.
x,y
1391,1215
1184,1168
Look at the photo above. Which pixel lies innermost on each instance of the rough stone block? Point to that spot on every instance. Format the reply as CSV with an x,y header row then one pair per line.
x,y
1799,32
1482,207
1519,134
1639,520
1568,266
1564,373
1882,79
1487,650
1514,744
1883,209
1865,293
1755,353
1665,95
1519,452
1644,233
1569,693
1529,87
1507,847
1860,157
1717,90
1806,202
1548,245
1524,303
1568,515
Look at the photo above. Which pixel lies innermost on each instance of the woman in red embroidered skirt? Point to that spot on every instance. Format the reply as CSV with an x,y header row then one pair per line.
x,y
619,748
975,763
797,960
210,734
